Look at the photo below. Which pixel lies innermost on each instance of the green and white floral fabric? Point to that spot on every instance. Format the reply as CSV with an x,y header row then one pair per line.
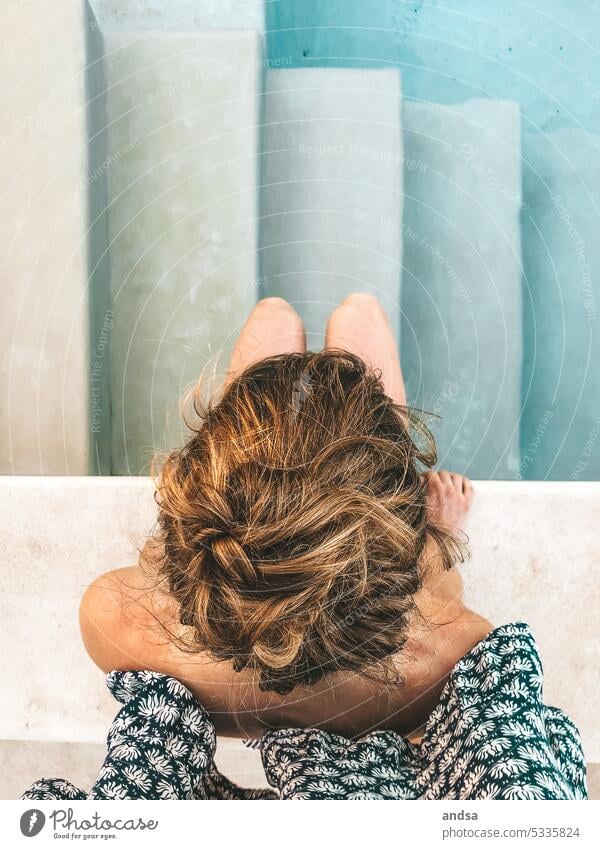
x,y
490,737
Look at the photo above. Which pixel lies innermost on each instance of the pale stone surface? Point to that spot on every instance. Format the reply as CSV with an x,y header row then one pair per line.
x,y
331,201
57,535
22,762
593,780
180,14
183,137
44,242
240,763
461,329
534,559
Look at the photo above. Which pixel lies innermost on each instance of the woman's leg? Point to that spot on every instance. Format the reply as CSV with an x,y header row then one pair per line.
x,y
359,325
273,327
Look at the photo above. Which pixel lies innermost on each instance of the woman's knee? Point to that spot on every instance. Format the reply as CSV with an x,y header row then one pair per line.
x,y
279,312
364,303
358,309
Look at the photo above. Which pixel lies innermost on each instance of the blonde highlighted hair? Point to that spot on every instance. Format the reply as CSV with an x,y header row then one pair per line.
x,y
293,522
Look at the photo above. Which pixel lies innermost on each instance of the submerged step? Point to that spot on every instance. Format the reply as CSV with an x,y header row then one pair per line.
x,y
182,209
331,199
180,14
561,386
51,337
461,291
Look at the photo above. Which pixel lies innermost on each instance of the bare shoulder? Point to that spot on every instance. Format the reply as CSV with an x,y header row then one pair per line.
x,y
119,621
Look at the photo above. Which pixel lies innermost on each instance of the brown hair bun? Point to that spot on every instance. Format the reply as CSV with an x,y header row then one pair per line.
x,y
292,522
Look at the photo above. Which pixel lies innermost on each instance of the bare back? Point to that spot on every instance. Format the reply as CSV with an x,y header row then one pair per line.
x,y
125,625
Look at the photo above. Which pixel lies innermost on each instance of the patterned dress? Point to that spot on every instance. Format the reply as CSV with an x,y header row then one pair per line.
x,y
490,737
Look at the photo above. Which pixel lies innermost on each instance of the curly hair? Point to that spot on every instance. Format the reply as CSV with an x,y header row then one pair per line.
x,y
292,523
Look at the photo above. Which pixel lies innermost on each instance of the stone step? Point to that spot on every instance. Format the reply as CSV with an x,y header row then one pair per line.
x,y
53,321
80,527
561,254
461,290
331,200
180,15
25,762
182,117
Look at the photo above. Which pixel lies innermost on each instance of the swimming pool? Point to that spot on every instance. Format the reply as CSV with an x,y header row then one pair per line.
x,y
444,155
537,320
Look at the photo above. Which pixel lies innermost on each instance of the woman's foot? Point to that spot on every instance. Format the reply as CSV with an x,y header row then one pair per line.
x,y
359,325
446,629
449,499
273,327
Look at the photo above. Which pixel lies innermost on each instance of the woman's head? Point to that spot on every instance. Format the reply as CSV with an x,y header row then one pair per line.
x,y
293,522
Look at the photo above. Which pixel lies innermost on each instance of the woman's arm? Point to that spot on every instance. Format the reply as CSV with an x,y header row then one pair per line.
x,y
117,627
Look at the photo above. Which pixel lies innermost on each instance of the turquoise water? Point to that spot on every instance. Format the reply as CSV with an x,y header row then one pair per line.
x,y
496,291
542,54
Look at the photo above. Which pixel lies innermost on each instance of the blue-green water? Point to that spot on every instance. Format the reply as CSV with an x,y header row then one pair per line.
x,y
535,336
543,54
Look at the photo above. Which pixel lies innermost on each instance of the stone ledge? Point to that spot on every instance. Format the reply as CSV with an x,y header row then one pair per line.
x,y
534,559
